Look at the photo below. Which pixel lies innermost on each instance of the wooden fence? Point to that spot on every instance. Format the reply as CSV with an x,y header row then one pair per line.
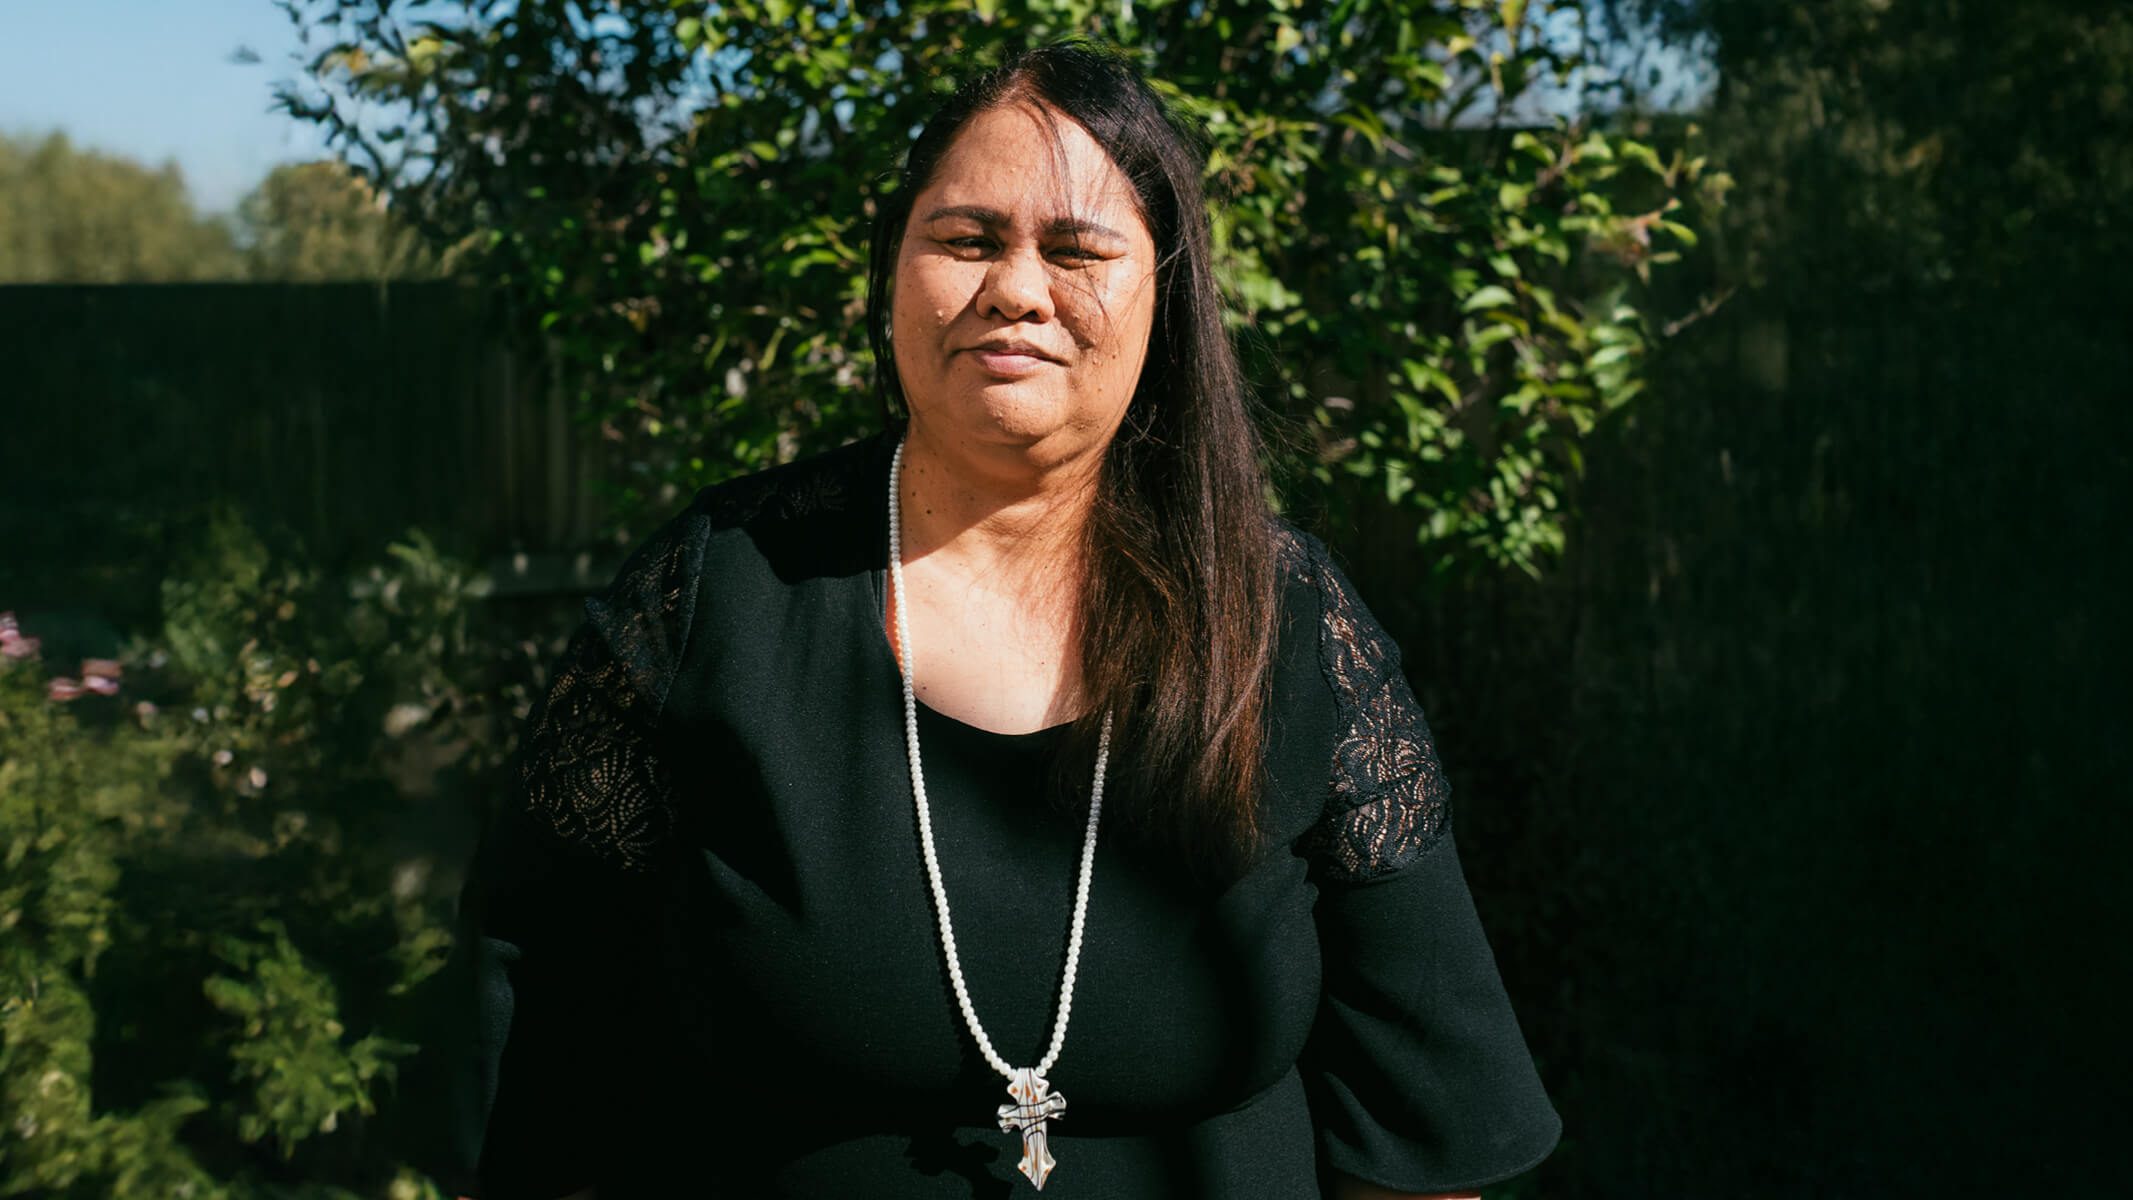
x,y
347,413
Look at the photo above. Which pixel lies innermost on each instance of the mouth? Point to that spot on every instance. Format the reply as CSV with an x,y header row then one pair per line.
x,y
1009,363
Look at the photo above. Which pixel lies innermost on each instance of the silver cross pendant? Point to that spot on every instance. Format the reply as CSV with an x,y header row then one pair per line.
x,y
1034,1104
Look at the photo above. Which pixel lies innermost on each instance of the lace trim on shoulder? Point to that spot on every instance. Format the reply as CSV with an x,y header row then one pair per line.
x,y
1292,558
1389,801
795,489
645,612
587,769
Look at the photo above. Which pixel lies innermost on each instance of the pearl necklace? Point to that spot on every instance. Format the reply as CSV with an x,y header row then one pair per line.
x,y
1033,1100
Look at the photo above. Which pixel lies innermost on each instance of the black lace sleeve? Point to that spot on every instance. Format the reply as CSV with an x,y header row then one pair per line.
x,y
1417,1071
1387,801
560,916
587,766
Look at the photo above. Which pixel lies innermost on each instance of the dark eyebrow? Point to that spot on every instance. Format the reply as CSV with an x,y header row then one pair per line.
x,y
993,217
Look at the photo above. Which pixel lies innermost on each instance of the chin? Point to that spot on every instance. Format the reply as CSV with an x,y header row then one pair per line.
x,y
1011,412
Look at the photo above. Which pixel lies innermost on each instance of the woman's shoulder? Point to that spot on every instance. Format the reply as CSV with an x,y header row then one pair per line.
x,y
1295,549
731,532
1311,571
823,483
1318,607
1305,571
745,511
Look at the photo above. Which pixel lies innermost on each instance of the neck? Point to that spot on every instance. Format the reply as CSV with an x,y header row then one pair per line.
x,y
1001,515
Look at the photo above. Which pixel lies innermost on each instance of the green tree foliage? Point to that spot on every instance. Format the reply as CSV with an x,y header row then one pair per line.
x,y
77,216
216,898
1949,150
679,195
318,221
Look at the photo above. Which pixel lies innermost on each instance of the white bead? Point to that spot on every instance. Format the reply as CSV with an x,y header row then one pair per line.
x,y
925,819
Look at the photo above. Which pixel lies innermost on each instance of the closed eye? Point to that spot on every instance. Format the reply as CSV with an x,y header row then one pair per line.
x,y
978,243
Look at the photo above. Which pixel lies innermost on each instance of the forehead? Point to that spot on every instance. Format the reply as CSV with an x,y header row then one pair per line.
x,y
1005,160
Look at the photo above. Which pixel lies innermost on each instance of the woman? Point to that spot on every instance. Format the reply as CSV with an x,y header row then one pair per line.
x,y
1005,801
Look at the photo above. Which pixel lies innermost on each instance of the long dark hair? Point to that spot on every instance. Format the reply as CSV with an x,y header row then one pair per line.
x,y
1178,599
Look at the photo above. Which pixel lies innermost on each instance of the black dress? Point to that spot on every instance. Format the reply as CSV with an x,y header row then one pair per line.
x,y
701,955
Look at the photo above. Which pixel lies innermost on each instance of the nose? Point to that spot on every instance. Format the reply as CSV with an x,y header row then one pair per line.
x,y
1017,287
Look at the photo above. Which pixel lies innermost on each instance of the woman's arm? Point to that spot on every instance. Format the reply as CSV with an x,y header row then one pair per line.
x,y
1348,1187
1416,1068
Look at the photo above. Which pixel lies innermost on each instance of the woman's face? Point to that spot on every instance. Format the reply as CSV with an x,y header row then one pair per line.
x,y
991,251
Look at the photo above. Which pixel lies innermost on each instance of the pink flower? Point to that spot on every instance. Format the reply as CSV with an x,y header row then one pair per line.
x,y
12,643
62,688
102,685
102,668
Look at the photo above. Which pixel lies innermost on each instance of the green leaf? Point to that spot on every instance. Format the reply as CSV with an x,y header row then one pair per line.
x,y
1638,152
1365,122
1488,336
1492,296
1687,235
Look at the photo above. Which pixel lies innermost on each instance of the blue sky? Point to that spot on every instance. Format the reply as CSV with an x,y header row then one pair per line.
x,y
152,80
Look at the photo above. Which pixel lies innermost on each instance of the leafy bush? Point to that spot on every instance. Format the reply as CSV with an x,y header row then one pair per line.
x,y
218,896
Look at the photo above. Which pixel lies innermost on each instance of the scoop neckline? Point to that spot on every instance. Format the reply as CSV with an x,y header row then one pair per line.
x,y
877,608
877,623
